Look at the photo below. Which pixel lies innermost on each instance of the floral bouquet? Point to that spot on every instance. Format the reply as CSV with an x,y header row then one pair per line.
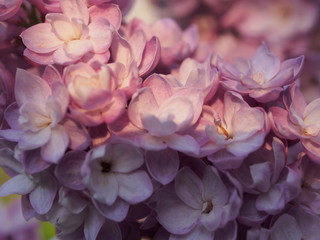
x,y
117,129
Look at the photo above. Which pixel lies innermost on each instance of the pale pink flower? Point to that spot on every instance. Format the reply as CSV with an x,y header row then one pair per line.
x,y
95,97
197,75
35,117
263,76
73,34
8,8
176,44
299,120
159,117
230,130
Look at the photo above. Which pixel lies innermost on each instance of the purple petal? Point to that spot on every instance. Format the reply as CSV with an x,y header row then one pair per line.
x,y
20,184
7,160
116,212
198,233
134,187
214,188
286,228
68,170
189,188
56,146
33,162
74,201
126,158
163,165
175,216
271,201
42,197
111,231
104,187
93,223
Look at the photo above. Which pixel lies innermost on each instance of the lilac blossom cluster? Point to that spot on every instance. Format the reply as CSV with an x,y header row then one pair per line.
x,y
126,130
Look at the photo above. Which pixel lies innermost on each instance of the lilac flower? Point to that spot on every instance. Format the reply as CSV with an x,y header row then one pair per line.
x,y
299,120
94,94
41,187
265,173
263,76
197,207
165,120
67,37
175,43
230,129
35,117
298,223
193,74
111,174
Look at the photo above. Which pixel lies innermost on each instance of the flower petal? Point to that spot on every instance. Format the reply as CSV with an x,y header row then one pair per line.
x,y
134,187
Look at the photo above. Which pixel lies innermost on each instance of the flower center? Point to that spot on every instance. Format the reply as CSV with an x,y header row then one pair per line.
x,y
258,77
207,207
105,167
222,130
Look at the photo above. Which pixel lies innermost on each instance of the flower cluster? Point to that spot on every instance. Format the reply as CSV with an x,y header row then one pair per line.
x,y
127,130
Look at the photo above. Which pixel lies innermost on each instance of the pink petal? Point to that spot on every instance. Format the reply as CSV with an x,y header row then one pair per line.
x,y
116,107
75,9
160,86
281,123
265,62
78,134
44,58
30,88
100,35
247,122
40,38
111,12
77,48
61,26
183,143
143,99
60,56
150,57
